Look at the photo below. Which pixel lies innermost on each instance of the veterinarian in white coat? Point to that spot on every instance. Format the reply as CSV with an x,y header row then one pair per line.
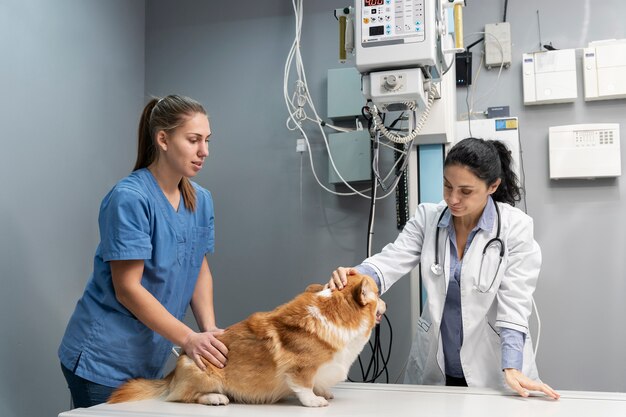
x,y
479,263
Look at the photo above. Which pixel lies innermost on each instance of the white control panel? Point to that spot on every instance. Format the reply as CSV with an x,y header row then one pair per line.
x,y
397,86
604,66
390,20
549,77
585,151
395,34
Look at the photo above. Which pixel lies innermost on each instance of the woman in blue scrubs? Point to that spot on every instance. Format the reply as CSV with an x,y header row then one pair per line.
x,y
156,226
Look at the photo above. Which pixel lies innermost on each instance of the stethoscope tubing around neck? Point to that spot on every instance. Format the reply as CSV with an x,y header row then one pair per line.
x,y
437,268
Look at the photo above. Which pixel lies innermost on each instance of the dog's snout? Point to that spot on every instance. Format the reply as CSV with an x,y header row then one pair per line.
x,y
381,307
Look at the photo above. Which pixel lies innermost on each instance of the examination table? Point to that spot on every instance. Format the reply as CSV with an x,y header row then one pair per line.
x,y
380,400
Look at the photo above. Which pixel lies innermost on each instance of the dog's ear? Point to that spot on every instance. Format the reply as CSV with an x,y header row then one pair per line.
x,y
364,293
314,288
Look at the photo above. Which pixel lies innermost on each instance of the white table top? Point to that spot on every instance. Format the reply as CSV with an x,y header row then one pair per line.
x,y
362,400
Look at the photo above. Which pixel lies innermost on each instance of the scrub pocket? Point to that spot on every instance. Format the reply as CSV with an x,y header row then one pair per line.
x,y
202,243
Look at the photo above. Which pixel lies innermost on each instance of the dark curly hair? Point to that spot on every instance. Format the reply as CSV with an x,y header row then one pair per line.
x,y
488,160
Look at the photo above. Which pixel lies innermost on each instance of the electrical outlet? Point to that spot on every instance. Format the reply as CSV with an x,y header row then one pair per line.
x,y
300,145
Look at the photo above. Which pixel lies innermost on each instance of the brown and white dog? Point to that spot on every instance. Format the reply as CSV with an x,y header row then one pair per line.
x,y
304,347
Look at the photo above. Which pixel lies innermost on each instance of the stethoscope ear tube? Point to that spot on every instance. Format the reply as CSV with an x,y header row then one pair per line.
x,y
491,242
437,268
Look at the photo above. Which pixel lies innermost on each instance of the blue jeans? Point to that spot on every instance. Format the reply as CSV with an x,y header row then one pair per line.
x,y
85,393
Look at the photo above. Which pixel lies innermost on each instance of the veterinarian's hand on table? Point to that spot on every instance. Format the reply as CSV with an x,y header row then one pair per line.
x,y
206,345
339,277
521,384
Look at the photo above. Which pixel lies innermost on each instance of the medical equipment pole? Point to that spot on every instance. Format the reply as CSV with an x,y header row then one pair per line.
x,y
413,187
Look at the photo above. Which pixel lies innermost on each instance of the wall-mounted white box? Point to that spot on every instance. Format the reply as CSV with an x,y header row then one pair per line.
x,y
497,45
549,77
604,70
585,151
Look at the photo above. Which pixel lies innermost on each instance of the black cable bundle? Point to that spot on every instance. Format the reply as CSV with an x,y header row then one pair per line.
x,y
378,360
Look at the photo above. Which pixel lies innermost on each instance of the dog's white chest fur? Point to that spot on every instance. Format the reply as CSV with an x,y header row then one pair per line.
x,y
352,340
337,369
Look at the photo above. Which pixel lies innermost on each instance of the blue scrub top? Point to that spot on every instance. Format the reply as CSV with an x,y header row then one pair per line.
x,y
104,343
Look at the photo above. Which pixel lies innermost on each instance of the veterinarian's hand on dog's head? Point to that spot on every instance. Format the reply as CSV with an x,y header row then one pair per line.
x,y
205,345
339,278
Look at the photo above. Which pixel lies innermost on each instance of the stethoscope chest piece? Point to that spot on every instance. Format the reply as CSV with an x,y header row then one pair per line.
x,y
436,269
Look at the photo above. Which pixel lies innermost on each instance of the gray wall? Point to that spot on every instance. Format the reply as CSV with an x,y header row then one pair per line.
x,y
72,87
578,223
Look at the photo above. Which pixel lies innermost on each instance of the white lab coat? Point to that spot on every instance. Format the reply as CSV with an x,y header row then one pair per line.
x,y
484,314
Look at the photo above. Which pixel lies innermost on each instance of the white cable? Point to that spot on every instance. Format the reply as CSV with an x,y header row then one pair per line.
x,y
495,85
538,327
330,157
301,98
387,145
378,122
403,169
464,116
474,83
296,110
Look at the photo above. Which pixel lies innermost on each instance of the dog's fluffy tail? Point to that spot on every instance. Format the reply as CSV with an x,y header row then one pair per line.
x,y
140,389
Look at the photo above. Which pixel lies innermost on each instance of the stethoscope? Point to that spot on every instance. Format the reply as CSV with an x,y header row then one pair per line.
x,y
437,268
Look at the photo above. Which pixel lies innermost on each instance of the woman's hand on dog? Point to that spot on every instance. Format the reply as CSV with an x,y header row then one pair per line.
x,y
206,345
339,277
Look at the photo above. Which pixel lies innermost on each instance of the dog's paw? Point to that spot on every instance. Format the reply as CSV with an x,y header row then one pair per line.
x,y
324,393
213,399
314,401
